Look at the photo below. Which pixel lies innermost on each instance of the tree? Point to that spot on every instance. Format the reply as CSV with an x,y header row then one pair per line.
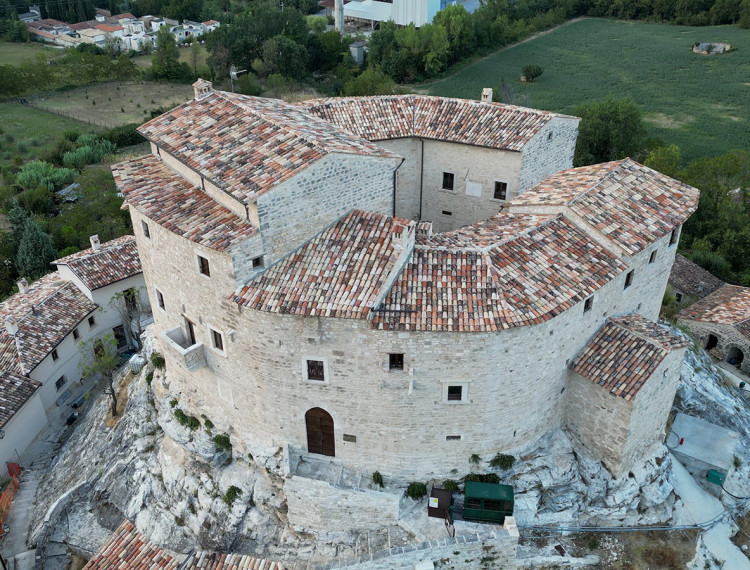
x,y
284,56
194,54
35,252
744,19
611,129
458,26
99,357
131,307
370,82
665,159
532,72
166,61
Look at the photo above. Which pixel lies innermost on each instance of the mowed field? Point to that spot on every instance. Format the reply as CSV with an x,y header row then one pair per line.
x,y
116,103
701,103
15,54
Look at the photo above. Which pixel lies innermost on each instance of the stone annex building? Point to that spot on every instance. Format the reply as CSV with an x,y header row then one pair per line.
x,y
304,303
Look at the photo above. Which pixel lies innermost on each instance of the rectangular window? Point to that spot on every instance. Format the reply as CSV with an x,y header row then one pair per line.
x,y
160,300
92,322
673,237
54,355
501,190
396,361
203,266
448,180
217,339
473,503
587,304
120,338
145,229
628,279
316,370
452,438
652,258
257,262
76,334
350,438
678,297
455,393
447,213
492,505
190,331
60,382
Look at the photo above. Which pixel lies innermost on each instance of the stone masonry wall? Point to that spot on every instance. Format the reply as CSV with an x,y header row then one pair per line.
x,y
319,506
307,203
726,335
408,175
543,156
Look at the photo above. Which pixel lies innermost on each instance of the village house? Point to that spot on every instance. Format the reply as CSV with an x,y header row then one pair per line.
x,y
304,304
45,322
690,282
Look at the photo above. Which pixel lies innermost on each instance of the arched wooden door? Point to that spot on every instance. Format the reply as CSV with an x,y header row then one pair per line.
x,y
320,438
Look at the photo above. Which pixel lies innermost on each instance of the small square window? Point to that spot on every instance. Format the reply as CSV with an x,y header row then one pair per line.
x,y
396,361
76,334
628,279
587,304
455,393
678,297
448,180
316,370
54,355
258,262
60,382
160,300
145,229
673,237
217,339
501,190
92,322
203,266
652,257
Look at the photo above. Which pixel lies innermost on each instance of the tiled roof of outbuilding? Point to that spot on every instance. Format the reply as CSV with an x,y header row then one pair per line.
x,y
15,391
627,202
485,233
45,314
339,273
624,353
728,305
220,561
169,200
524,280
461,121
247,145
114,261
692,279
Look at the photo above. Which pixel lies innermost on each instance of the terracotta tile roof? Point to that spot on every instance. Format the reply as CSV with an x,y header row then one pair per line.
x,y
83,25
462,121
248,145
728,305
128,549
169,200
339,273
627,202
15,391
485,233
114,261
524,280
624,353
45,315
692,279
108,28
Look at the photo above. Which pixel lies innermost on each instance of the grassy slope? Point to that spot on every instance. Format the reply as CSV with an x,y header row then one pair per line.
x,y
697,102
14,54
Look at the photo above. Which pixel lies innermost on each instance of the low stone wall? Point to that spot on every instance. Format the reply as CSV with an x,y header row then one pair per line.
x,y
494,549
319,505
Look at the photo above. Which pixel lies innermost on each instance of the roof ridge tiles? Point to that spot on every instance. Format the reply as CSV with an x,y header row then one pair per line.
x,y
619,164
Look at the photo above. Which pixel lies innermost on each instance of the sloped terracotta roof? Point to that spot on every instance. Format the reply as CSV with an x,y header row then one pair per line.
x,y
114,261
624,353
339,273
128,549
45,315
692,279
15,391
462,121
248,145
523,280
485,233
728,305
169,200
627,202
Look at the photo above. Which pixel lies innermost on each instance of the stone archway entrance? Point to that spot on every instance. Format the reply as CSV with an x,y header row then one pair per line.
x,y
320,438
711,342
735,356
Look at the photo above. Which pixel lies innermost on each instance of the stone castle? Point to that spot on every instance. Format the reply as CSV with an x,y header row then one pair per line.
x,y
305,304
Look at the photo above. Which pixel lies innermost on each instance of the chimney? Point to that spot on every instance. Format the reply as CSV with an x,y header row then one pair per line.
x,y
424,228
487,95
23,285
11,325
202,88
402,237
95,243
338,15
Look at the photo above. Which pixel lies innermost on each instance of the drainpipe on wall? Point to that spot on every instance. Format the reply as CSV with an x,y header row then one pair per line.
x,y
421,177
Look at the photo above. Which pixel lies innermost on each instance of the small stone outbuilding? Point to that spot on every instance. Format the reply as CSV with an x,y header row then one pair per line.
x,y
690,282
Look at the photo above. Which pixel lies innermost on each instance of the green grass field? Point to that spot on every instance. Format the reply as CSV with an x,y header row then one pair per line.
x,y
701,103
26,131
144,61
14,54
